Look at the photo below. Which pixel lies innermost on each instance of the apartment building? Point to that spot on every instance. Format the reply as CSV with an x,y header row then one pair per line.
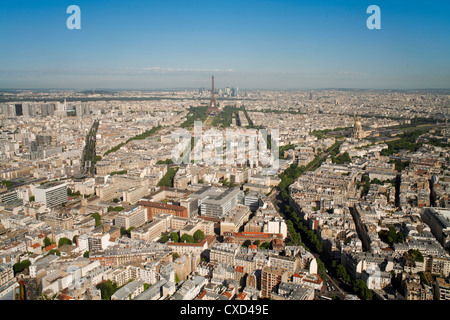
x,y
270,279
442,289
289,263
224,253
150,231
241,237
51,194
154,208
217,202
134,194
60,220
6,274
134,217
98,241
129,291
439,222
196,248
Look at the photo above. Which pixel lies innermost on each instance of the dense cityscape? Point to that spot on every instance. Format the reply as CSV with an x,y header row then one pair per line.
x,y
272,159
355,206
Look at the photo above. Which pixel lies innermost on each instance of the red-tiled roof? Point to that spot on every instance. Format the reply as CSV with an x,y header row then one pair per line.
x,y
63,296
50,247
202,294
239,269
241,296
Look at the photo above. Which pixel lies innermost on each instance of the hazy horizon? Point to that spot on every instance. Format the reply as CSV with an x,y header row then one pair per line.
x,y
266,45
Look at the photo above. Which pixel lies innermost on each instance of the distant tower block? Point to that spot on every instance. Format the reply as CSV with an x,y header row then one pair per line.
x,y
213,108
213,99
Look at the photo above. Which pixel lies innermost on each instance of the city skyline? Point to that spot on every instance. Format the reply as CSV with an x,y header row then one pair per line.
x,y
254,45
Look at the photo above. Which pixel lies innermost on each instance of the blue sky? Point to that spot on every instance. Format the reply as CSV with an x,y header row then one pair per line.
x,y
246,43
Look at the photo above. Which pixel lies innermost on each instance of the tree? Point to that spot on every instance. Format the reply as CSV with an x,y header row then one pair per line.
x,y
98,219
341,272
246,243
167,180
413,256
47,242
361,290
334,264
321,269
163,238
174,236
167,161
265,245
118,208
54,252
107,289
20,266
199,235
391,236
187,238
86,254
344,158
64,241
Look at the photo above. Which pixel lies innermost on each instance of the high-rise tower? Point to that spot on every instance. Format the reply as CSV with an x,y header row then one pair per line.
x,y
213,100
213,108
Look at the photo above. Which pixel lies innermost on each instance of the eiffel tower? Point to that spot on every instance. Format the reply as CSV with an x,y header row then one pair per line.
x,y
213,109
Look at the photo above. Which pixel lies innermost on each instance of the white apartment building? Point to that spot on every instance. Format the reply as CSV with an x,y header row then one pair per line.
x,y
277,225
135,217
51,194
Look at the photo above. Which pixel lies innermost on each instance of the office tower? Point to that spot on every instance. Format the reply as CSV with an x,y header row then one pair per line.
x,y
81,109
9,196
48,109
46,140
5,110
19,110
9,110
51,194
215,202
26,110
